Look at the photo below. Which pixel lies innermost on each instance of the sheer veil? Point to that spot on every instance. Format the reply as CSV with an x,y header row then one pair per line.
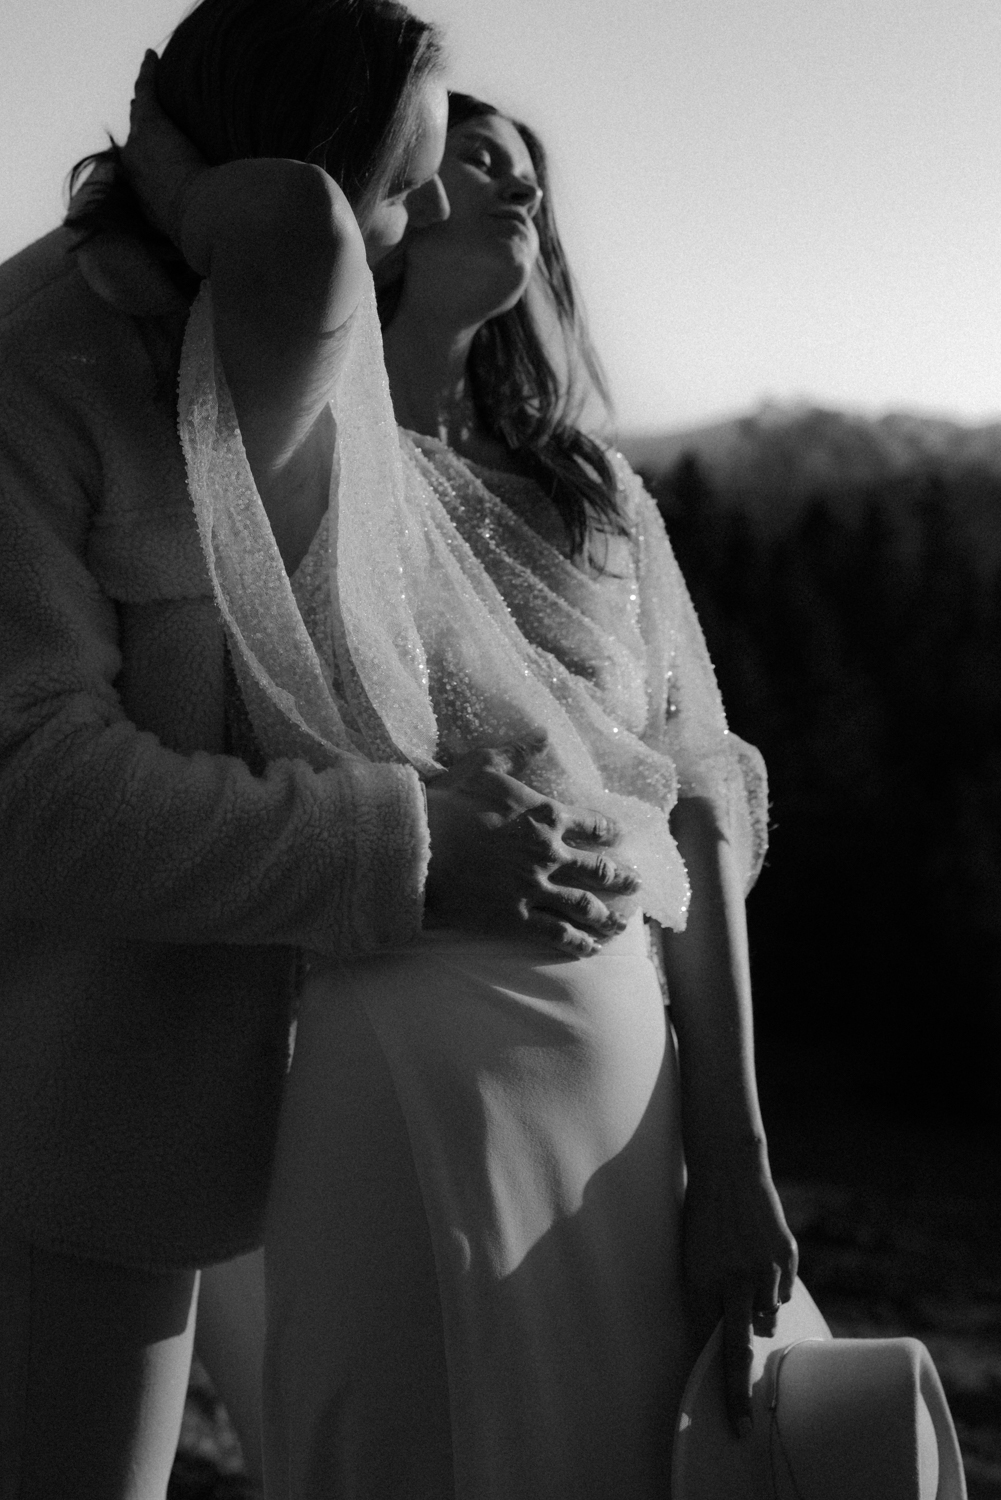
x,y
428,660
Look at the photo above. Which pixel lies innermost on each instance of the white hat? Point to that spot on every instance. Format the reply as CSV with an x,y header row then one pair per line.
x,y
834,1419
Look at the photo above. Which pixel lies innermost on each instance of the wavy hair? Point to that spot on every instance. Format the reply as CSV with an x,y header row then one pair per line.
x,y
521,396
333,82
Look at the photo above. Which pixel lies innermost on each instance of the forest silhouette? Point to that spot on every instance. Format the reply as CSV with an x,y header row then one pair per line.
x,y
859,646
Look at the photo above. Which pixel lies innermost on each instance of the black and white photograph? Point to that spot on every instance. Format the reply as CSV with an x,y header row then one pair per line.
x,y
500,750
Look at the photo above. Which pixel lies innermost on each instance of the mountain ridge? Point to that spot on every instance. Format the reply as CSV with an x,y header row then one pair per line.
x,y
788,450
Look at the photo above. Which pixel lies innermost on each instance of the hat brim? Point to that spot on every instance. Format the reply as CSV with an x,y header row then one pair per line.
x,y
709,1461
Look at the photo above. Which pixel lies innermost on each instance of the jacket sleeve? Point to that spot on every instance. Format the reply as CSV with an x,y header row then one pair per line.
x,y
104,827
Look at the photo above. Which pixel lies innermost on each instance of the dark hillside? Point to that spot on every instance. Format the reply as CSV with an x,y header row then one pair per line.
x,y
860,647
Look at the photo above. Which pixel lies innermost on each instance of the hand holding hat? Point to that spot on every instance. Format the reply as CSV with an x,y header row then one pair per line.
x,y
740,1264
833,1419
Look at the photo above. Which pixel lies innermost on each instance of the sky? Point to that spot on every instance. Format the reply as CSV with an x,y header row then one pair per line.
x,y
761,199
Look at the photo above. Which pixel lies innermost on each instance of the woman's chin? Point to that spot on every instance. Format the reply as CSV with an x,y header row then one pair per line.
x,y
500,273
509,289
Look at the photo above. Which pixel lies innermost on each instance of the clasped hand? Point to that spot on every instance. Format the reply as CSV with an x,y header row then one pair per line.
x,y
506,860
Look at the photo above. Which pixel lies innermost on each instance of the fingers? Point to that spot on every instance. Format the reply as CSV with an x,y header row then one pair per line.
x,y
493,774
596,872
525,750
764,1320
511,760
583,910
562,935
745,1315
498,771
144,90
766,1304
586,827
787,1274
738,1352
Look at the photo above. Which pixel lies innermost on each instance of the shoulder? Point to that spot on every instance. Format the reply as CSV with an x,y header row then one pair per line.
x,y
34,284
87,404
61,337
637,507
45,302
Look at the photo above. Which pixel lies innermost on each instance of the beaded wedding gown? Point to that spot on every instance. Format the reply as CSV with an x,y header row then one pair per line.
x,y
473,1241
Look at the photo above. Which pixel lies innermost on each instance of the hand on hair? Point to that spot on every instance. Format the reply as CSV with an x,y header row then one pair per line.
x,y
506,860
160,162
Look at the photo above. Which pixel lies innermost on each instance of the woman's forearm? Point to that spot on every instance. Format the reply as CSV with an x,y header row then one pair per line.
x,y
738,1255
285,261
708,977
285,258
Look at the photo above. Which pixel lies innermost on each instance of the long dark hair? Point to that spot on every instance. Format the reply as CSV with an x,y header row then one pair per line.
x,y
333,82
521,396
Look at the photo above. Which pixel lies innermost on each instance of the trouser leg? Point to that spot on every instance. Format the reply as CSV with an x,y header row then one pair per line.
x,y
94,1363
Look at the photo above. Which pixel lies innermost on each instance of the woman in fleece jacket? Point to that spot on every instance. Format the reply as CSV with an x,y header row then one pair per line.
x,y
156,881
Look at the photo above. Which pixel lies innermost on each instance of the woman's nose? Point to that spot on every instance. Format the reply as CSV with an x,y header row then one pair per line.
x,y
526,194
427,204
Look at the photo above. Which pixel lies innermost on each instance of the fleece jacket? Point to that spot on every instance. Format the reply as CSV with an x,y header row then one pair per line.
x,y
154,890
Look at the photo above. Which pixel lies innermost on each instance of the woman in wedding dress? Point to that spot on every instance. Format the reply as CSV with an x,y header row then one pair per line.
x,y
588,575
479,1280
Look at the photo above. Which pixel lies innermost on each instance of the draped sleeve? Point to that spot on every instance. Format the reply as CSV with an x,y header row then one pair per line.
x,y
426,645
685,715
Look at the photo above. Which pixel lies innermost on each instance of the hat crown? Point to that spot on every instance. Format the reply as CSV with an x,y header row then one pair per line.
x,y
834,1419
848,1421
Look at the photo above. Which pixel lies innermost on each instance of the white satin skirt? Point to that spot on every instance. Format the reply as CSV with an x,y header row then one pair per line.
x,y
473,1246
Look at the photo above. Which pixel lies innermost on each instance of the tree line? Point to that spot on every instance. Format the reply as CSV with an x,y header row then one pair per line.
x,y
860,648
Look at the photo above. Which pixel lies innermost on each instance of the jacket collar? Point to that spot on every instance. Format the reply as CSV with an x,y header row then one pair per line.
x,y
125,271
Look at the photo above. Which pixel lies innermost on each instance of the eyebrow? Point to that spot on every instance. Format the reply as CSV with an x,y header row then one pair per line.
x,y
471,131
471,135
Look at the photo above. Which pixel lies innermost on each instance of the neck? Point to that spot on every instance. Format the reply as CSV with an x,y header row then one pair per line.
x,y
426,363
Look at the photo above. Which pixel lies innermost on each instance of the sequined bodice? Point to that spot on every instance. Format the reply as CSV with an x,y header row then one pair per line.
x,y
455,624
311,588
594,631
587,616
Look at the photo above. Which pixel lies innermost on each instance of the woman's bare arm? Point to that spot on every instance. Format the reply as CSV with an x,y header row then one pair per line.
x,y
285,260
739,1255
286,264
